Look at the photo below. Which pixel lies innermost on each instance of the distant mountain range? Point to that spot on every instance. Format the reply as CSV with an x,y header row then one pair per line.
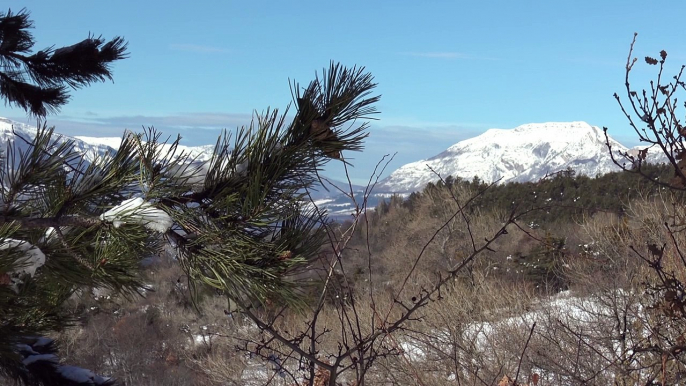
x,y
20,134
525,153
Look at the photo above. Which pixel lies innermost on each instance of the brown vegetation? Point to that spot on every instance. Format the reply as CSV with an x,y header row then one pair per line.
x,y
476,329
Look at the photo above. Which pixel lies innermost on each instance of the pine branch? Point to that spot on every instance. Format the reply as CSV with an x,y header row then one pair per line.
x,y
14,36
38,82
39,101
51,222
77,65
341,96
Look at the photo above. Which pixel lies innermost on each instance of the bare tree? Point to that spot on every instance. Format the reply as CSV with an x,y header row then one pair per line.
x,y
654,115
368,326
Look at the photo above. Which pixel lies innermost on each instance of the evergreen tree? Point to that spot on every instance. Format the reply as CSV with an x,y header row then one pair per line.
x,y
237,222
38,83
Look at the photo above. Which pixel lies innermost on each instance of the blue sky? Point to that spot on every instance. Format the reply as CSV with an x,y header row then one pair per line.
x,y
447,70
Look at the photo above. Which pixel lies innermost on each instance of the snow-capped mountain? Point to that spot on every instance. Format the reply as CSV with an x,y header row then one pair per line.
x,y
525,153
19,133
89,146
198,153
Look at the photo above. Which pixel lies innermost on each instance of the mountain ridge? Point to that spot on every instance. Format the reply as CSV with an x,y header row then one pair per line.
x,y
526,153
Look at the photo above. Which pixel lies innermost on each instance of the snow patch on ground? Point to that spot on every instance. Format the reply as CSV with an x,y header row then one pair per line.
x,y
83,376
33,259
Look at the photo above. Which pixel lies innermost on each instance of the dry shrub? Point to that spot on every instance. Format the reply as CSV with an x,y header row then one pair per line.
x,y
456,342
134,348
618,245
145,340
613,330
600,333
223,366
390,244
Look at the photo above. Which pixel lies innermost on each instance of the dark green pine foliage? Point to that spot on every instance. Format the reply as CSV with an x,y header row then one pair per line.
x,y
543,265
35,183
51,200
39,82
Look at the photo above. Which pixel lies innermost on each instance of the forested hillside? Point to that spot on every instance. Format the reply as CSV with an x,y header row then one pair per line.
x,y
552,215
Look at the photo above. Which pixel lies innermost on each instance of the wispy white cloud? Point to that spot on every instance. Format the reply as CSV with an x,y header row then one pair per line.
x,y
440,55
446,55
418,142
197,48
207,120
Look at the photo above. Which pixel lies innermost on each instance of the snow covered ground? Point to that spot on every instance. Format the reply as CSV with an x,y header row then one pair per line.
x,y
593,336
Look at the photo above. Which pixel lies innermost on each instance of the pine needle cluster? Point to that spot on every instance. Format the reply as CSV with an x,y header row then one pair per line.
x,y
39,82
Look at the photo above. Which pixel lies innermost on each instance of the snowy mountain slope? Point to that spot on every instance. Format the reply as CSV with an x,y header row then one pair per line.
x,y
10,131
113,142
525,153
198,153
